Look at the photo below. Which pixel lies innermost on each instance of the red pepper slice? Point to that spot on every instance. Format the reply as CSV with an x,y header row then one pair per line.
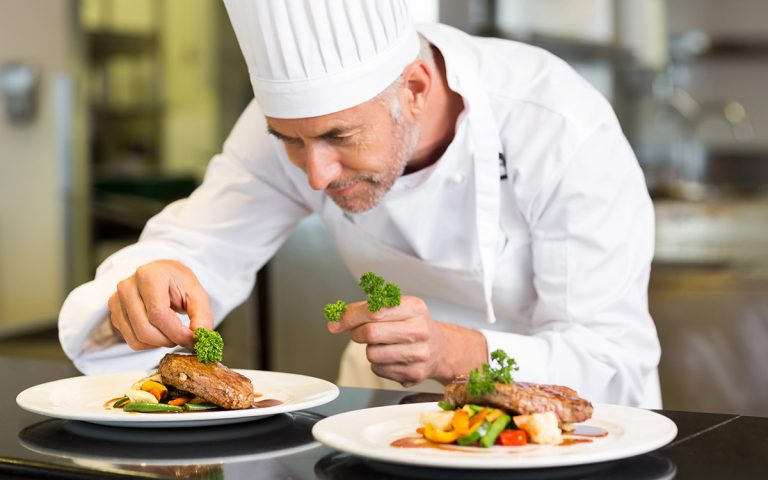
x,y
512,438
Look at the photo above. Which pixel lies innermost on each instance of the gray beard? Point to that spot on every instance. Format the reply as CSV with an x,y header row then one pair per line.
x,y
406,137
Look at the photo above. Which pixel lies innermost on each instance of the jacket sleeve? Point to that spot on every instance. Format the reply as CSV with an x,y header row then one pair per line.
x,y
592,234
225,231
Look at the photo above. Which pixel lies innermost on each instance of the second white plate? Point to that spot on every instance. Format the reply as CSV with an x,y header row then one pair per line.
x,y
369,433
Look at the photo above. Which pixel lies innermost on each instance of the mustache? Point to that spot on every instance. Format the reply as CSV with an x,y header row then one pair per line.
x,y
340,184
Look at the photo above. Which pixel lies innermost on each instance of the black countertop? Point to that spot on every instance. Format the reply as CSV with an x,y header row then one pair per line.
x,y
708,446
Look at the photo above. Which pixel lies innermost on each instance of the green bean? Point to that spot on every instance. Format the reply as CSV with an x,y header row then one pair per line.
x,y
151,408
120,402
446,406
474,437
495,430
197,407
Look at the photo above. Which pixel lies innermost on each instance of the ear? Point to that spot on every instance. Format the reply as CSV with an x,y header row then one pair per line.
x,y
417,78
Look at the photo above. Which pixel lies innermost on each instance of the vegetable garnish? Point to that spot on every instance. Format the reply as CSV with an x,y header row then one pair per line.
x,y
209,345
500,371
379,294
334,311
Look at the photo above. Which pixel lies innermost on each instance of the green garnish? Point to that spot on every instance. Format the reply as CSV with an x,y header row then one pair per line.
x,y
484,381
209,345
380,294
151,407
334,311
446,405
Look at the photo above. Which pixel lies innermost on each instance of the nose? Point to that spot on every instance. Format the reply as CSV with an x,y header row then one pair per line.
x,y
322,166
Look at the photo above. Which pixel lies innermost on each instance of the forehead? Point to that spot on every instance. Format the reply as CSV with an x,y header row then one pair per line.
x,y
366,114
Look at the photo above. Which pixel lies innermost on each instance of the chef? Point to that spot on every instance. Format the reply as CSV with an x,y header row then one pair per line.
x,y
483,176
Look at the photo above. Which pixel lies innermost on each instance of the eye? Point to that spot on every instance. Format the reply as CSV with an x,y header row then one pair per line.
x,y
337,139
293,142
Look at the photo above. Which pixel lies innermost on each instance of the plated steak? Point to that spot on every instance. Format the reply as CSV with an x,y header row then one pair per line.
x,y
213,382
525,398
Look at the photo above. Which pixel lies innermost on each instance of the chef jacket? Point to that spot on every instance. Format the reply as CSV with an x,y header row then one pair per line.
x,y
535,227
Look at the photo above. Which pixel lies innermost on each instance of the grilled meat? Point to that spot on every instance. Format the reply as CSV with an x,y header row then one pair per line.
x,y
212,382
525,398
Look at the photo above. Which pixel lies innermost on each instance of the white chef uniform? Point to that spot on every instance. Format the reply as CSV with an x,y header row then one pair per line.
x,y
538,206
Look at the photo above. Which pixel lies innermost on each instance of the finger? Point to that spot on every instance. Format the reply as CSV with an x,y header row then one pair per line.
x,y
155,292
398,353
409,307
356,314
120,322
145,331
407,375
196,305
409,331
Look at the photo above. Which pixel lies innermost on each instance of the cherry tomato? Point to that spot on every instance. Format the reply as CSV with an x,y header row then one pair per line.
x,y
512,438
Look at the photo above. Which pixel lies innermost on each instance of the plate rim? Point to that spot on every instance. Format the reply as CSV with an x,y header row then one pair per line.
x,y
25,400
358,446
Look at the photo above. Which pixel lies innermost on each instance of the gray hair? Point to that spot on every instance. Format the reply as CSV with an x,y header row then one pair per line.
x,y
389,97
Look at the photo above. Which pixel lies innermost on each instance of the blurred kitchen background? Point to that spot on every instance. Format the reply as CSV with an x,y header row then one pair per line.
x,y
110,109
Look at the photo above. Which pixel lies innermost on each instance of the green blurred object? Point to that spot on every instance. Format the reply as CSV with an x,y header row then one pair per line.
x,y
162,188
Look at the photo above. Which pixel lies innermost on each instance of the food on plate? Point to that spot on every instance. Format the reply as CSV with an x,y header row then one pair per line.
x,y
213,382
188,383
525,398
487,407
378,294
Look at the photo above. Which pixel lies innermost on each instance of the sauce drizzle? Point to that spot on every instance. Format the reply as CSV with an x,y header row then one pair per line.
x,y
588,431
269,402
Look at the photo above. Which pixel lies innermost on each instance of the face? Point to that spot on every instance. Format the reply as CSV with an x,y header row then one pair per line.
x,y
355,155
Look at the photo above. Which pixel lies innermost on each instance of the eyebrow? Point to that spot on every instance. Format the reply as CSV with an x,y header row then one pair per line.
x,y
329,134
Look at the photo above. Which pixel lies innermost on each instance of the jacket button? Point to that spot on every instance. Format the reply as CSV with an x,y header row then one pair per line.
x,y
457,178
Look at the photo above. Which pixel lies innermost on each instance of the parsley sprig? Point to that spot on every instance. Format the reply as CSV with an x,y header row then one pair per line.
x,y
379,294
499,371
209,345
334,311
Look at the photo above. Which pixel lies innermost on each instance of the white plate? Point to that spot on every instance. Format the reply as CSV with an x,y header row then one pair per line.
x,y
369,432
83,398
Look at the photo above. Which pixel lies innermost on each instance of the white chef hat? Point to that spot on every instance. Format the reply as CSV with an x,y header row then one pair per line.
x,y
314,57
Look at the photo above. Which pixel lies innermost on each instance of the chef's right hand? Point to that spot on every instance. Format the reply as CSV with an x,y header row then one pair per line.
x,y
144,307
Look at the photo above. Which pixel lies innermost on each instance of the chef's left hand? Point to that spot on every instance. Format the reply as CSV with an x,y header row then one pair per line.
x,y
407,345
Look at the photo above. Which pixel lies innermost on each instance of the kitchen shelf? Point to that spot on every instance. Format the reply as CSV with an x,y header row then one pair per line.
x,y
736,48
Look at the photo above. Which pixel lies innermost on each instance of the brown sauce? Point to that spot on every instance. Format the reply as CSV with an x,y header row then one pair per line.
x,y
588,431
573,441
110,402
421,442
269,402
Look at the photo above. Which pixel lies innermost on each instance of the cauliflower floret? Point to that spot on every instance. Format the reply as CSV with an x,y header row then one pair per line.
x,y
138,383
439,419
541,427
140,396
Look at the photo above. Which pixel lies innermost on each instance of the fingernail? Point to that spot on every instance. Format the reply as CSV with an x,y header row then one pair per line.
x,y
334,326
